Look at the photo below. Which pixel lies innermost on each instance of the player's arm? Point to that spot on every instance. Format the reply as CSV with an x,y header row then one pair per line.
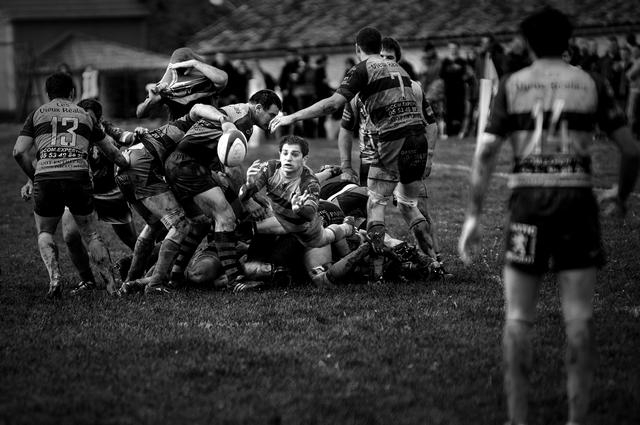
x,y
320,108
22,156
484,163
217,76
120,136
348,125
629,163
210,113
153,97
306,205
108,147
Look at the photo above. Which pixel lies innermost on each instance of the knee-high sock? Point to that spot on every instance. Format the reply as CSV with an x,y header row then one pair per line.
x,y
518,357
580,367
375,232
141,252
101,260
420,229
188,247
227,253
169,251
340,268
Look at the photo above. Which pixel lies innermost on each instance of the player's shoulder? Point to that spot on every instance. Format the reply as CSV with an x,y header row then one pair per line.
x,y
236,110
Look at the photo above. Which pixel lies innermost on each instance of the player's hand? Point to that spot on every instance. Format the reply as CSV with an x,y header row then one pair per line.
x,y
191,63
611,204
256,211
27,190
469,239
349,175
228,126
253,170
297,201
140,131
279,121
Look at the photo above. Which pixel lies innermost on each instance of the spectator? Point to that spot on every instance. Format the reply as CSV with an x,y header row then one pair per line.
x,y
287,82
453,74
589,56
608,65
489,58
322,88
633,74
228,94
517,57
623,66
241,86
304,91
433,85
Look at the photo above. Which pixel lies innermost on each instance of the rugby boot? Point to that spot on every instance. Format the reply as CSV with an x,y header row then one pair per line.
x,y
84,287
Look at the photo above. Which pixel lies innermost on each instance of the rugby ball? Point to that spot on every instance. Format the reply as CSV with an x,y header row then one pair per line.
x,y
232,148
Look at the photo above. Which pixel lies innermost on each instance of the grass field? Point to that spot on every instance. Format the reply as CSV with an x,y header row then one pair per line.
x,y
415,353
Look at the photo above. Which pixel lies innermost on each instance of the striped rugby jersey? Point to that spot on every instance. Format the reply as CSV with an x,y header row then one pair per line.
x,y
62,132
549,111
163,140
201,141
280,189
355,116
385,90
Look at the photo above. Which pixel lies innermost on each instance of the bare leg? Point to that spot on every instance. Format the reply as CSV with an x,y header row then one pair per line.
x,y
98,252
77,250
577,288
521,295
46,227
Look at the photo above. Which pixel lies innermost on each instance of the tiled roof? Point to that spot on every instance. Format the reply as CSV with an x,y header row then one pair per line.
x,y
71,9
262,25
79,50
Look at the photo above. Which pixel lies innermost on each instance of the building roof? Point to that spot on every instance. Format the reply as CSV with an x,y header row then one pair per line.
x,y
268,25
80,50
71,9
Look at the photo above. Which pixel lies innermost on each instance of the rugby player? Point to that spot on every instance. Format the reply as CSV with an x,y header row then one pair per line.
x,y
144,187
188,170
293,191
385,90
187,80
548,112
355,117
61,132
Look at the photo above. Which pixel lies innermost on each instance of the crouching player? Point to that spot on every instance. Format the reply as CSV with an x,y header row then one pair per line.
x,y
293,192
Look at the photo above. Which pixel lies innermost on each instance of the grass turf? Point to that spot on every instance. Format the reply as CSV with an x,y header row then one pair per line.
x,y
418,352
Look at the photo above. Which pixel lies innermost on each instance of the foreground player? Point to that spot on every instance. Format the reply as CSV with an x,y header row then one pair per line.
x,y
61,132
548,112
385,90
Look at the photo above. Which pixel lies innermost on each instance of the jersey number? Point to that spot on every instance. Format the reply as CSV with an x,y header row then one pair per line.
x,y
557,132
69,126
399,77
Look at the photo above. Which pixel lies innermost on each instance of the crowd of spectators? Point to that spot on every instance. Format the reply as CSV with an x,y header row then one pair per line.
x,y
450,81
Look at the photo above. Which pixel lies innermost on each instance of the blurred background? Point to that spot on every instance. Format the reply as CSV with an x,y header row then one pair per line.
x,y
300,48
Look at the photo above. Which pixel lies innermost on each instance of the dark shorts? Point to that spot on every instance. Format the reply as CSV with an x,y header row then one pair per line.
x,y
112,208
404,159
52,195
186,176
553,228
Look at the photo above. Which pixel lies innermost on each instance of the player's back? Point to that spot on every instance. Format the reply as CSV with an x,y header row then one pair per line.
x,y
549,111
384,88
61,131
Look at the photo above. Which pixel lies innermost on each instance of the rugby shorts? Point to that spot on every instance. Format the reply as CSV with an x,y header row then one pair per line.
x,y
52,195
111,207
553,229
186,176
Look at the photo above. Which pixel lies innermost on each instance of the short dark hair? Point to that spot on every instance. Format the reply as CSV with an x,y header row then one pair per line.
x,y
295,140
389,43
59,85
369,40
547,31
92,105
266,98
